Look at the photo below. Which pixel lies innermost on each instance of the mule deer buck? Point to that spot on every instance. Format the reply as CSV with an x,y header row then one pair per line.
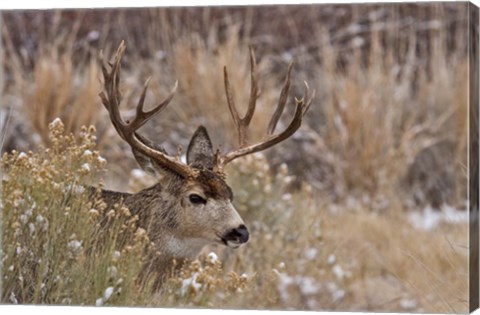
x,y
191,205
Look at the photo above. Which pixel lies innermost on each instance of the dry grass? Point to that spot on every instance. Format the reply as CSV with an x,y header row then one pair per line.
x,y
55,87
391,103
379,117
394,263
56,235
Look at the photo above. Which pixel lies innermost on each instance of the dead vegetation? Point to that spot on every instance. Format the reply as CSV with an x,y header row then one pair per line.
x,y
386,135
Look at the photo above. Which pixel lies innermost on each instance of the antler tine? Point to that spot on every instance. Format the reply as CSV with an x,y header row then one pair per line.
x,y
253,88
142,117
141,100
111,98
281,102
309,98
230,99
301,107
242,123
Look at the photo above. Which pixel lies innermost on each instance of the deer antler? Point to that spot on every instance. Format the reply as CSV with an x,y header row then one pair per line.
x,y
111,99
302,106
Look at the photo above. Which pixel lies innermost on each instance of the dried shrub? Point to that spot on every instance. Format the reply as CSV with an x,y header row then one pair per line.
x,y
58,235
203,282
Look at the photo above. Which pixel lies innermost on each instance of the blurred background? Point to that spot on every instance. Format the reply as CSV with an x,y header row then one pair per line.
x,y
362,209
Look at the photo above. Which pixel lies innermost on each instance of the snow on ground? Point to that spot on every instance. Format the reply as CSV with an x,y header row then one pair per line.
x,y
429,218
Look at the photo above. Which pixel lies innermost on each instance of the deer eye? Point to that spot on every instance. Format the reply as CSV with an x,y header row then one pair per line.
x,y
196,199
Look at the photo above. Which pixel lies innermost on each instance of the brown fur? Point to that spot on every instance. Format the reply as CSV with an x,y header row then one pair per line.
x,y
163,213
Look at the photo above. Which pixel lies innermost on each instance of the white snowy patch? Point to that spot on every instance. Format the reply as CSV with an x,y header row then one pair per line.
x,y
306,285
108,293
67,301
86,167
112,271
23,218
31,227
212,257
13,299
311,253
357,41
75,246
138,173
78,190
190,283
408,304
287,56
338,272
331,259
430,218
87,153
116,255
93,35
101,160
106,296
56,121
160,54
40,219
337,295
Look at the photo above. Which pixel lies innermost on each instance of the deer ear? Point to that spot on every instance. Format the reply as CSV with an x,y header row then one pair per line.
x,y
200,150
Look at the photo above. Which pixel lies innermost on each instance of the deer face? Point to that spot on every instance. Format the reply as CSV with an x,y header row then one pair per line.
x,y
207,212
203,208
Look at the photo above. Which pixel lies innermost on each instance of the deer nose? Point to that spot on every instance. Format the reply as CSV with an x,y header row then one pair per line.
x,y
239,234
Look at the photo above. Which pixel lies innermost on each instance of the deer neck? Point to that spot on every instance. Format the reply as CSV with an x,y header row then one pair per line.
x,y
182,248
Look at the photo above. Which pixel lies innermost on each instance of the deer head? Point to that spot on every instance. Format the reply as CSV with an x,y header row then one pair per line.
x,y
200,207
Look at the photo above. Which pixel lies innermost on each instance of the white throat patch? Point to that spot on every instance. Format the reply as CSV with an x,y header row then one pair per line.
x,y
184,248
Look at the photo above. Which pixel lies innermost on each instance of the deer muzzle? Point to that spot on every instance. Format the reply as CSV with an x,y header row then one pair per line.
x,y
236,237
